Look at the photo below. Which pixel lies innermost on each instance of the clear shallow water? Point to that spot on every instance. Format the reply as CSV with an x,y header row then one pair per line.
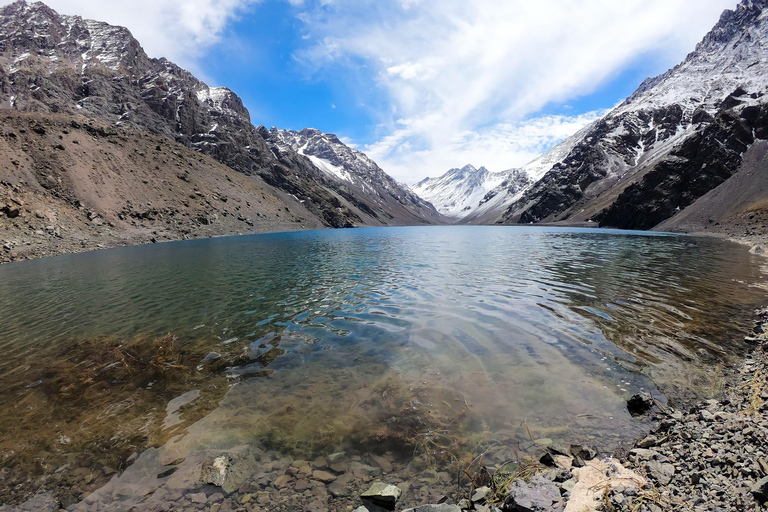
x,y
444,341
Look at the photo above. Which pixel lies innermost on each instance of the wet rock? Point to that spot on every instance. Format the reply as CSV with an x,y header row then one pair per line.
x,y
340,486
282,481
228,471
538,495
556,449
212,356
481,494
640,403
198,497
583,451
363,471
382,495
383,463
323,476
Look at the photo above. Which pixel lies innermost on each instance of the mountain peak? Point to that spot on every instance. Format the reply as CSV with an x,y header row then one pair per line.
x,y
461,192
686,128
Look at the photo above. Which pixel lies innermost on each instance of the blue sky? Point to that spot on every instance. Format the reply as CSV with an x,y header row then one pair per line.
x,y
421,85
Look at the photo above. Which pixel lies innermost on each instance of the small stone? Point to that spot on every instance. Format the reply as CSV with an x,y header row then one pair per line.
x,y
212,356
648,442
302,485
340,467
643,454
465,504
215,498
538,495
481,494
383,463
662,473
320,463
198,497
323,476
568,485
382,495
705,415
282,481
583,451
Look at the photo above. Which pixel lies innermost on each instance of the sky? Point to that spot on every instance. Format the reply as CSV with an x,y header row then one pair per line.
x,y
421,86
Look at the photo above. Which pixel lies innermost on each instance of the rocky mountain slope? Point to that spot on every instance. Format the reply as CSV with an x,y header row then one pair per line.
x,y
359,175
469,192
677,137
51,63
69,184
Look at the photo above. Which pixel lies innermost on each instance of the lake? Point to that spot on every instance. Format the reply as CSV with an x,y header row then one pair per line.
x,y
328,359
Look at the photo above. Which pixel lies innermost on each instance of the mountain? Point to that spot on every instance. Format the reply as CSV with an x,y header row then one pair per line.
x,y
360,176
468,192
677,137
56,64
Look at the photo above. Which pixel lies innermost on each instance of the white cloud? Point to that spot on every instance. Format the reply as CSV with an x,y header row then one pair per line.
x,y
460,78
501,146
180,30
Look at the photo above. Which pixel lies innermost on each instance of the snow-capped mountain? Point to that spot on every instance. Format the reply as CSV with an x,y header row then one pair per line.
x,y
339,161
469,191
60,64
677,137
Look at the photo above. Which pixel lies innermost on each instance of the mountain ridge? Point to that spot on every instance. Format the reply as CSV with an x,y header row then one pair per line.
x,y
51,63
644,160
466,191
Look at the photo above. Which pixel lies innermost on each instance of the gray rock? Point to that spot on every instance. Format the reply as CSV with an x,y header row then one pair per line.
x,y
481,494
583,451
661,472
538,495
382,495
228,471
643,453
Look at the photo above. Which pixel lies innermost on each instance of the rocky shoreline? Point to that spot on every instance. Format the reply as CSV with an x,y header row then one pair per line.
x,y
710,457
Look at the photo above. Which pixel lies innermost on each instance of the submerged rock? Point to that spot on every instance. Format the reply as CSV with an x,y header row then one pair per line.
x,y
228,471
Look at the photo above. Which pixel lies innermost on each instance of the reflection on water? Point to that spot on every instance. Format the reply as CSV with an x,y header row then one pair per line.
x,y
423,345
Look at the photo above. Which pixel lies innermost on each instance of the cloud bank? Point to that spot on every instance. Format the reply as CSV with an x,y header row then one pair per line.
x,y
462,79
